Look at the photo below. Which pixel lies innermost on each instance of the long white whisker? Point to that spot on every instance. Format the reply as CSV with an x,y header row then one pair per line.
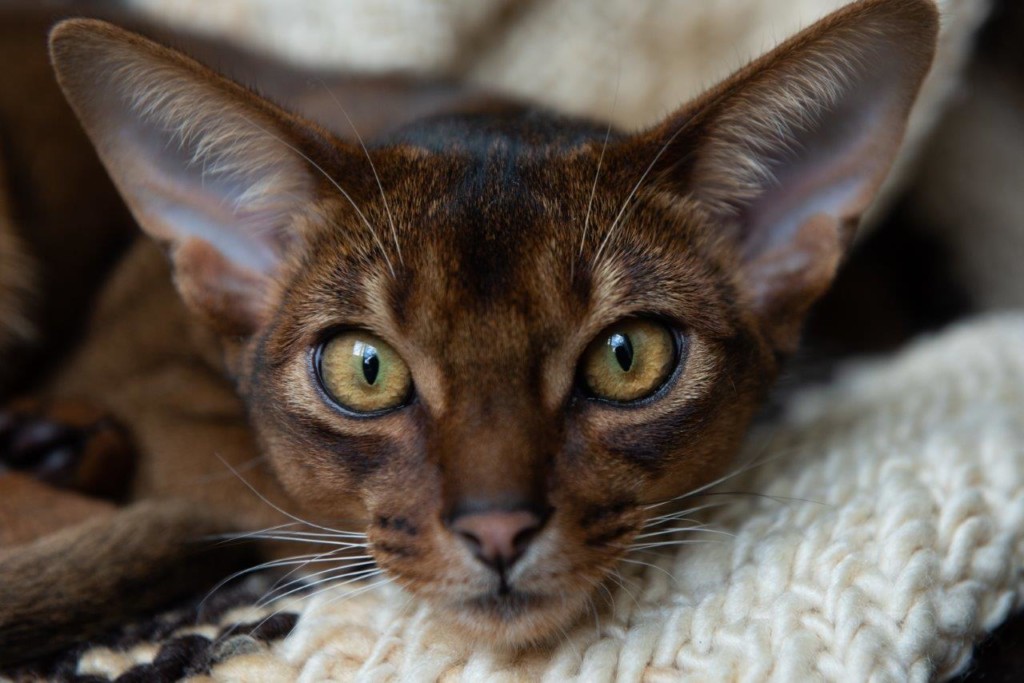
x,y
697,529
679,514
340,562
352,594
278,611
282,529
308,541
609,597
648,564
300,560
333,182
735,473
633,192
620,581
683,541
348,574
593,190
272,505
380,186
769,496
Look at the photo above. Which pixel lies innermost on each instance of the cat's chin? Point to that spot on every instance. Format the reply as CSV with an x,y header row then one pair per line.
x,y
514,621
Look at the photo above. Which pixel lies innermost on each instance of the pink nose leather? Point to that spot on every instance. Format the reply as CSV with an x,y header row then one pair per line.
x,y
497,538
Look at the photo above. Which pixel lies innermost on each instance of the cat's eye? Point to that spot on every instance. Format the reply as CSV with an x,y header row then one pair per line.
x,y
629,360
362,373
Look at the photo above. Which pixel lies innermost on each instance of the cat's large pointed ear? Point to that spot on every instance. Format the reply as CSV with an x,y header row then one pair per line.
x,y
790,151
206,167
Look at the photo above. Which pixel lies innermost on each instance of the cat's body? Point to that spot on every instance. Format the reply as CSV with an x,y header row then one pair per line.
x,y
498,460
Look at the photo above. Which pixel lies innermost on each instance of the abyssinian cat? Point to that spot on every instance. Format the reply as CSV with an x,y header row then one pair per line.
x,y
488,347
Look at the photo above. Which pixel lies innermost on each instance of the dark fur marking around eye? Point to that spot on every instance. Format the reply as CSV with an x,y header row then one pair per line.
x,y
360,455
651,447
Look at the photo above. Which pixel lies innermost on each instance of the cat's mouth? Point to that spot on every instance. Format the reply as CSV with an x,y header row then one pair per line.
x,y
506,603
510,620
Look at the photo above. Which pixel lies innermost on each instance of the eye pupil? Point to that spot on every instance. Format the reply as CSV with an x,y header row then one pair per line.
x,y
371,365
623,350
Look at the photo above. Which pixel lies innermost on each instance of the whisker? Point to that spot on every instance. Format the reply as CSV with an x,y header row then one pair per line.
x,y
300,559
682,541
282,529
565,635
278,611
352,594
332,583
593,190
609,597
309,541
272,505
768,496
648,564
698,529
597,618
620,582
675,519
735,473
678,515
595,582
247,465
333,182
339,561
380,186
629,197
304,583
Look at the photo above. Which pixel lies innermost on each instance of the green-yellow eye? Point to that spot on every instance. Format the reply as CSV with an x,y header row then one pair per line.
x,y
362,373
629,360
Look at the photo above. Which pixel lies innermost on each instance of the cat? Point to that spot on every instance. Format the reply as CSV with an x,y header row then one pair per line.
x,y
486,348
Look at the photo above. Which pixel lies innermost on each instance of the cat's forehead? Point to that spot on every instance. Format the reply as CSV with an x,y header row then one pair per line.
x,y
490,251
513,234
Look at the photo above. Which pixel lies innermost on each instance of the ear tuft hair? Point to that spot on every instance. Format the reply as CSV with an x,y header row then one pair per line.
x,y
201,162
788,153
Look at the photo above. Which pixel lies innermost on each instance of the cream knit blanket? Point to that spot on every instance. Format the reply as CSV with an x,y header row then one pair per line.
x,y
890,540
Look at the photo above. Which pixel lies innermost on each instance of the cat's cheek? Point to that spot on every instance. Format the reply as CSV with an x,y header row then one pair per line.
x,y
318,477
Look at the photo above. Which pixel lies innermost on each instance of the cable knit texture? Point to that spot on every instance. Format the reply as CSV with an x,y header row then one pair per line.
x,y
890,540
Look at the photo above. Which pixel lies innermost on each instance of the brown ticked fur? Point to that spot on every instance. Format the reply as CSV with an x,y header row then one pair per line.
x,y
489,247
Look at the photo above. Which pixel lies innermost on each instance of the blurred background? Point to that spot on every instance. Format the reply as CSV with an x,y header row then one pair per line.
x,y
947,238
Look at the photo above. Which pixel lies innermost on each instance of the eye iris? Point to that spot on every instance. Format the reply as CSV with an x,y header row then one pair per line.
x,y
371,365
623,350
362,373
629,360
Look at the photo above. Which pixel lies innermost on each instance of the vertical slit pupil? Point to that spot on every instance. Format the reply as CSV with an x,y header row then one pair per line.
x,y
623,350
371,365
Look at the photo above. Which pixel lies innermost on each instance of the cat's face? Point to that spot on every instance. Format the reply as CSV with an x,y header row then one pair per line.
x,y
499,310
495,340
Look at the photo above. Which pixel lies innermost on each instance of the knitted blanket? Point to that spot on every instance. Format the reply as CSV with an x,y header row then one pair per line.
x,y
876,532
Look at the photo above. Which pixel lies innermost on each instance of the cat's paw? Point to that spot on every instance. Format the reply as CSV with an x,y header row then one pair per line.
x,y
66,443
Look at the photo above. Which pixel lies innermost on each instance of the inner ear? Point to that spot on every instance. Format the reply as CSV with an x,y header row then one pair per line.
x,y
787,154
218,175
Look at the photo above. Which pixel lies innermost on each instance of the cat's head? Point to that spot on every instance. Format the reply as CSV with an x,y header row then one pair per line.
x,y
497,338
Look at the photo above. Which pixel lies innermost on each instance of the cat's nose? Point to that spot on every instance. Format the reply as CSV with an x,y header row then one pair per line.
x,y
498,538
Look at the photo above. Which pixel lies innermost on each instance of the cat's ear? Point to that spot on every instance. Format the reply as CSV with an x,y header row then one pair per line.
x,y
791,150
210,170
